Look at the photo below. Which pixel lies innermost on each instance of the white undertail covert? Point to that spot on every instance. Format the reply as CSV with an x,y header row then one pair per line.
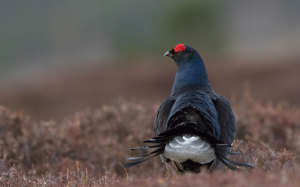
x,y
182,148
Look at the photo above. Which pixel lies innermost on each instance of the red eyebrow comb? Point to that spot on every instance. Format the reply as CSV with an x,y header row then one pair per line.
x,y
179,47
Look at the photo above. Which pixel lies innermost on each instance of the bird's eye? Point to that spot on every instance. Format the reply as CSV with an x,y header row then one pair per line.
x,y
180,52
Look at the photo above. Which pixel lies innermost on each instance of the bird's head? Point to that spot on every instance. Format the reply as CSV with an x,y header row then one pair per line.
x,y
182,54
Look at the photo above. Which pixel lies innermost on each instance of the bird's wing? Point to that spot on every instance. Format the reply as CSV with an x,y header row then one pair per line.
x,y
162,115
227,126
159,126
194,110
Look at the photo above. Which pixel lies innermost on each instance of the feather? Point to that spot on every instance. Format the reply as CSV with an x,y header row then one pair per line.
x,y
226,164
236,163
156,141
127,165
161,149
147,147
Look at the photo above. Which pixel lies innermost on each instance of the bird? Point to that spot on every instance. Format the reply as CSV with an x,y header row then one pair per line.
x,y
194,127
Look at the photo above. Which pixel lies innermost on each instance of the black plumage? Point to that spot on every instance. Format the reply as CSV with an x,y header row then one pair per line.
x,y
193,109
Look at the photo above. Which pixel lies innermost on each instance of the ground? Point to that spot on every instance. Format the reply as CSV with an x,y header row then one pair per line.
x,y
75,130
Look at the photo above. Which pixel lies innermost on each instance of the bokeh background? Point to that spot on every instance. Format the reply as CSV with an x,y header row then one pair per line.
x,y
81,81
59,56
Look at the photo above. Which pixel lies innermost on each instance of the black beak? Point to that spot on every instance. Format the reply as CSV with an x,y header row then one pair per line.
x,y
168,54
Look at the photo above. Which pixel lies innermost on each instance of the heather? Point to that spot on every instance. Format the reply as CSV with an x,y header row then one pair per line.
x,y
87,149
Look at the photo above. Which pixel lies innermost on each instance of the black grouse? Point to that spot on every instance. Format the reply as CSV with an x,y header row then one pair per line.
x,y
194,127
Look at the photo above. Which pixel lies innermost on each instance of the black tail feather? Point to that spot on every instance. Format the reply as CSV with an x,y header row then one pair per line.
x,y
127,165
156,141
161,149
233,153
162,139
147,147
161,143
234,162
226,164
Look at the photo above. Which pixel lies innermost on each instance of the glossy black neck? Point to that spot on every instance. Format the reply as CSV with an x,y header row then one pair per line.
x,y
190,74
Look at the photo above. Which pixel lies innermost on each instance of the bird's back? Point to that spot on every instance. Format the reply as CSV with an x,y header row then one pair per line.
x,y
194,109
194,127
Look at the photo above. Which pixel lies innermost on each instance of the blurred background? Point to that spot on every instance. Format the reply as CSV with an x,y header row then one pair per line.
x,y
58,57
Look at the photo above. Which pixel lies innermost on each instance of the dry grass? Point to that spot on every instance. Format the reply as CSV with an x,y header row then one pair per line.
x,y
85,150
